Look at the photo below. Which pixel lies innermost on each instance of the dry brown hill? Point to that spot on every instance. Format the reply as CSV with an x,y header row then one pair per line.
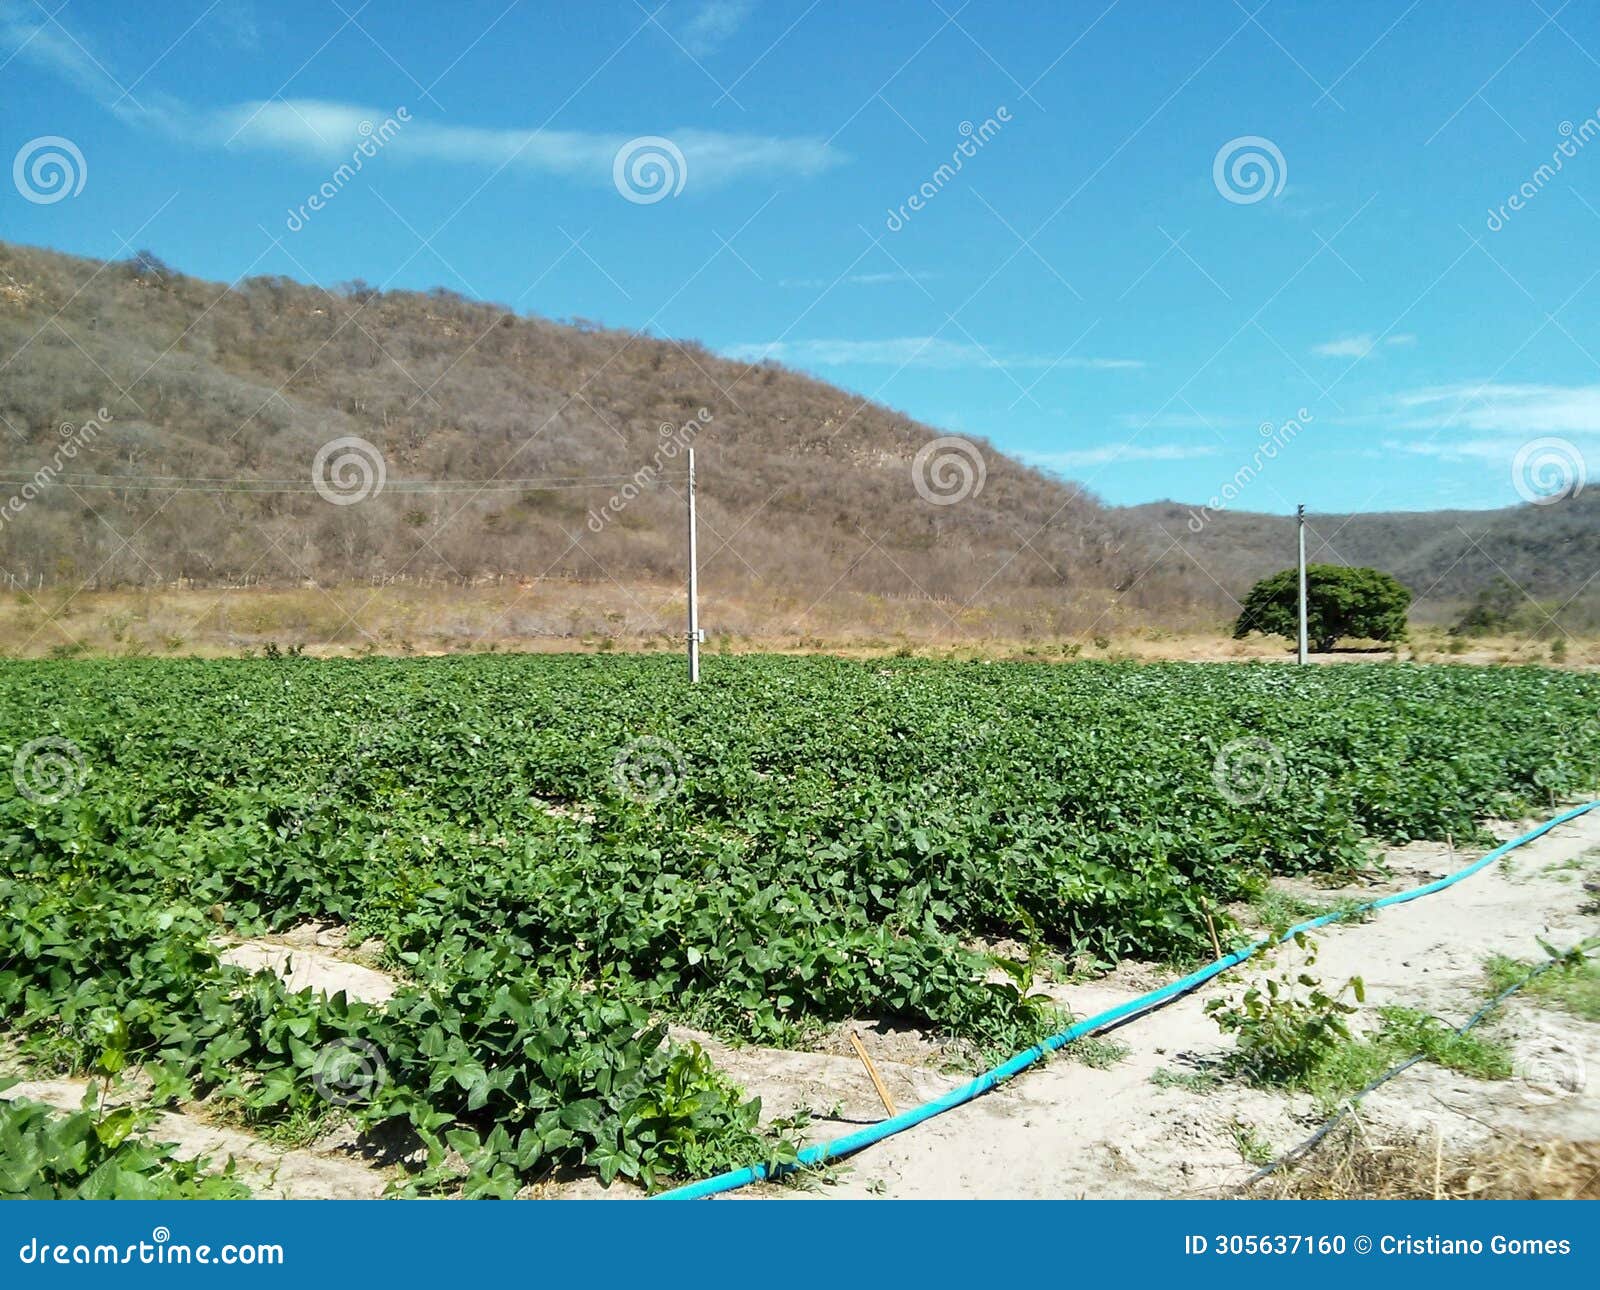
x,y
508,443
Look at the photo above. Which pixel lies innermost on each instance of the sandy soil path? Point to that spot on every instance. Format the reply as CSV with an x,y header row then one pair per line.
x,y
1068,1130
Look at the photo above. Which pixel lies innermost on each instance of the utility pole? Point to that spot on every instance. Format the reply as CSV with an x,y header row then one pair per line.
x,y
1301,525
694,586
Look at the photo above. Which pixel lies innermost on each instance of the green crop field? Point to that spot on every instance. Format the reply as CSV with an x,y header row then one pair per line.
x,y
560,855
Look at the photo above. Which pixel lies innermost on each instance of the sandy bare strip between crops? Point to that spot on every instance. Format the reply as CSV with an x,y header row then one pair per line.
x,y
1065,1129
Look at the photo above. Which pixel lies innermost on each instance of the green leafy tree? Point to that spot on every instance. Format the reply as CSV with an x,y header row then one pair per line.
x,y
1340,602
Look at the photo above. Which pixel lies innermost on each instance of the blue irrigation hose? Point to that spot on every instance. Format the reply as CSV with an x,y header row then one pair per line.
x,y
822,1152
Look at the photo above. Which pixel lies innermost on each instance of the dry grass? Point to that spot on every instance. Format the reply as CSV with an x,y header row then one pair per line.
x,y
551,614
1350,1166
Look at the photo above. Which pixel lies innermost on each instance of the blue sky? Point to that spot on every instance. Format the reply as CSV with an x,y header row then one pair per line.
x,y
1095,288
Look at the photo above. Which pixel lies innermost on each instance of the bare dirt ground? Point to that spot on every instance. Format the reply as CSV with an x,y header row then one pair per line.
x,y
1068,1129
549,615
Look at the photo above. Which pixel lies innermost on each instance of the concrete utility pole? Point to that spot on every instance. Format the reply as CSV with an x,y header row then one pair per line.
x,y
695,634
1301,519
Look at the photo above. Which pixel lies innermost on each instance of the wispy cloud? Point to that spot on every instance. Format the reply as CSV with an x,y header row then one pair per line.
x,y
1113,453
1361,345
31,32
1460,450
912,351
234,23
714,22
323,130
860,280
1508,409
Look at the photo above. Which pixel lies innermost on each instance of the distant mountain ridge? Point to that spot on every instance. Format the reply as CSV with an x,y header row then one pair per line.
x,y
514,447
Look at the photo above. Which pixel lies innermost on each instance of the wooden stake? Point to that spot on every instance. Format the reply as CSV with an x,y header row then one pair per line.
x,y
1212,928
1438,1161
872,1072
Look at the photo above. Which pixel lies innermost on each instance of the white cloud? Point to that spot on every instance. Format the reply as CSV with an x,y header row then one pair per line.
x,y
1508,409
1347,347
234,23
713,23
1460,450
1111,453
328,131
1359,346
31,32
911,351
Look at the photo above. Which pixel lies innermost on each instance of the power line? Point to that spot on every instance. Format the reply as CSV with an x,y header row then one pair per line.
x,y
254,479
181,484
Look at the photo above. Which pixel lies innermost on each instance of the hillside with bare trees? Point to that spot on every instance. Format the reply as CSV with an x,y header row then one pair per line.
x,y
164,432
